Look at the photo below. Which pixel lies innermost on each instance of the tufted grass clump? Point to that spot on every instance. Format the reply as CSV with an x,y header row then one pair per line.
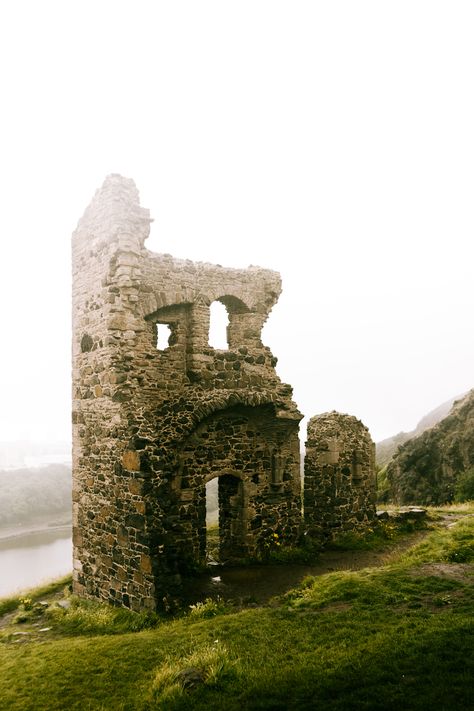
x,y
16,601
176,677
28,610
454,544
460,546
88,617
209,608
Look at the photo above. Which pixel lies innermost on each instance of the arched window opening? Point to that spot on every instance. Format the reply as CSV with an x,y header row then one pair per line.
x,y
219,322
212,521
163,334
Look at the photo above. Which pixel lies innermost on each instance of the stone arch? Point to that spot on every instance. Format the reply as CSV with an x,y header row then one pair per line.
x,y
233,304
246,319
165,339
224,472
236,443
242,320
153,301
193,409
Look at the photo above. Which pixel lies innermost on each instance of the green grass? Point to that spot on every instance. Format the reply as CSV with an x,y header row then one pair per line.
x,y
86,617
212,541
12,603
378,537
396,637
464,508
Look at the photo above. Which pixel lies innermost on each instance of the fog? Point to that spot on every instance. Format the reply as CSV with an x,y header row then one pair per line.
x,y
332,142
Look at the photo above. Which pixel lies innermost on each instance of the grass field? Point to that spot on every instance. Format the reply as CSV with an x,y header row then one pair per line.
x,y
399,636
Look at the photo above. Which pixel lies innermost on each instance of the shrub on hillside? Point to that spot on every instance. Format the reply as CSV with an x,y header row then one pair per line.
x,y
464,490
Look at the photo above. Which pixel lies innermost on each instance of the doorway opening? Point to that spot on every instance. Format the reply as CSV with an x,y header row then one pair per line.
x,y
212,522
225,519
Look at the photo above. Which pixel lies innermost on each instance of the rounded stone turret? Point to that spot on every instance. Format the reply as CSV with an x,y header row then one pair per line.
x,y
339,475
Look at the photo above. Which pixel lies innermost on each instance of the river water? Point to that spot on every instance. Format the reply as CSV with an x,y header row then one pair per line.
x,y
31,558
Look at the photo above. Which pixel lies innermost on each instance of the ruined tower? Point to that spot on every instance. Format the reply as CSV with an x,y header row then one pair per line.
x,y
152,425
339,475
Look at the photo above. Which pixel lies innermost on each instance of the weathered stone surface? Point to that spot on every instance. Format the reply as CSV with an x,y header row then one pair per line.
x,y
151,427
339,475
131,460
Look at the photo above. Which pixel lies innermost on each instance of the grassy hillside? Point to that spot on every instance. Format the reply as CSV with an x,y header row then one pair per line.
x,y
387,448
395,637
427,469
30,495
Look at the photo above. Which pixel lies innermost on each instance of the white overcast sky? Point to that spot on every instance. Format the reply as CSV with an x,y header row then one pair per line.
x,y
332,141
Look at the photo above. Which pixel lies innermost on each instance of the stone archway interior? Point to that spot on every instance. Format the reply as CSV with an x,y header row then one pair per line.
x,y
254,457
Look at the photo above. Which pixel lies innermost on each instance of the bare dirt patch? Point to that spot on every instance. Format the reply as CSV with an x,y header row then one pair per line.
x,y
454,571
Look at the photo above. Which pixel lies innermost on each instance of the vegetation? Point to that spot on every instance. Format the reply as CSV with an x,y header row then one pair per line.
x,y
27,495
212,542
386,449
397,636
426,469
377,537
14,602
464,490
383,485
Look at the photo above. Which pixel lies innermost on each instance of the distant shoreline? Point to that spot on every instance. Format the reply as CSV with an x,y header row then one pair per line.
x,y
13,532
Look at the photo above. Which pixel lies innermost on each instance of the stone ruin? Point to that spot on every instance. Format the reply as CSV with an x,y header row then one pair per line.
x,y
152,425
339,475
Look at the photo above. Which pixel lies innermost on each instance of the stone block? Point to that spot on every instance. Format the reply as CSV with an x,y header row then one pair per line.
x,y
131,460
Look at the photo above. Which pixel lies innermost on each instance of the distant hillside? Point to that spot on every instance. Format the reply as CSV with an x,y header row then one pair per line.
x,y
426,469
27,454
386,449
28,496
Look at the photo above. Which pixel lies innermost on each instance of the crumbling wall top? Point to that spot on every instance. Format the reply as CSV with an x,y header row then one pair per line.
x,y
334,425
113,213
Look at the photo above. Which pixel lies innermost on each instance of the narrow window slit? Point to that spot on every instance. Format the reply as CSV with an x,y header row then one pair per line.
x,y
163,334
219,322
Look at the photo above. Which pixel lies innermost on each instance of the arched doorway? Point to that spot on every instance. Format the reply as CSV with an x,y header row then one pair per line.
x,y
226,518
246,460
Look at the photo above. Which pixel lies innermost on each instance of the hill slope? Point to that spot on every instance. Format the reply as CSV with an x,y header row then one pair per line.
x,y
426,468
387,448
31,495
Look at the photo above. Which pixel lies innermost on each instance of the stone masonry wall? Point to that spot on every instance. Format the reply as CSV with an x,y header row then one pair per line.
x,y
339,476
151,427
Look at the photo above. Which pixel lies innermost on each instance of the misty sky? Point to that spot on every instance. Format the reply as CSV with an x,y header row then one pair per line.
x,y
331,141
